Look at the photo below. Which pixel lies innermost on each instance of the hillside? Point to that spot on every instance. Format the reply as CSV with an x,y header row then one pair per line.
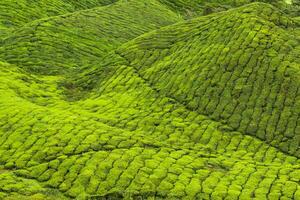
x,y
56,44
192,8
16,13
130,100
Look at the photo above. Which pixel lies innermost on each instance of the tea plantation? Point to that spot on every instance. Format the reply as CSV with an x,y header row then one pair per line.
x,y
149,99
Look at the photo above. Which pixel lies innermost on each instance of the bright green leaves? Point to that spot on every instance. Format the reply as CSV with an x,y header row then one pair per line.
x,y
205,109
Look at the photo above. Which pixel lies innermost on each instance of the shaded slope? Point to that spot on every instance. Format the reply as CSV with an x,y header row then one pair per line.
x,y
15,13
54,45
193,8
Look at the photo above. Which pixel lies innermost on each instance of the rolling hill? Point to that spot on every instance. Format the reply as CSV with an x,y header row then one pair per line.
x,y
130,99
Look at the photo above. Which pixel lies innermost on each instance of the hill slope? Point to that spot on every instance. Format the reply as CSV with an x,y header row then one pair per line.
x,y
14,13
201,109
249,81
59,43
192,8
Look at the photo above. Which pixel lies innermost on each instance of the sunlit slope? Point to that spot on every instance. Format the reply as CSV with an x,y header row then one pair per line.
x,y
127,139
54,45
203,109
239,67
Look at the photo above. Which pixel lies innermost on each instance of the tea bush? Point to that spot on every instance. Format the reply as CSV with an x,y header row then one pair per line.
x,y
205,108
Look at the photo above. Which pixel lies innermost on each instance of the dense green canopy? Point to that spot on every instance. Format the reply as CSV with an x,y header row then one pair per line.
x,y
149,99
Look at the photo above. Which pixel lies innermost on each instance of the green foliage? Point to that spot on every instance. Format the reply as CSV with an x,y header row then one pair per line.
x,y
129,101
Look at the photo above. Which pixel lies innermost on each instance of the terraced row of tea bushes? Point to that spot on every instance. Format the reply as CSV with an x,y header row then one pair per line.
x,y
16,13
165,173
248,81
51,40
293,9
14,187
155,121
126,100
128,140
54,45
193,8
